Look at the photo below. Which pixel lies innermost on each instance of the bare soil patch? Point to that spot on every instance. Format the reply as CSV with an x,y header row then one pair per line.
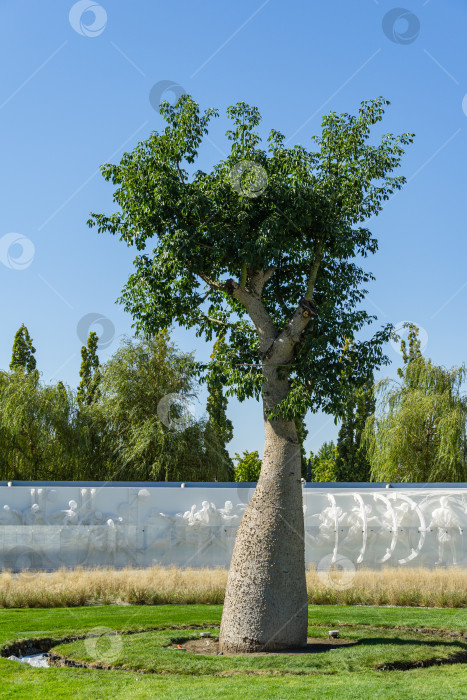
x,y
210,645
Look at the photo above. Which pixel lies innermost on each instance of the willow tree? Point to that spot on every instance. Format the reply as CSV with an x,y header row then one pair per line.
x,y
36,428
261,251
146,390
418,431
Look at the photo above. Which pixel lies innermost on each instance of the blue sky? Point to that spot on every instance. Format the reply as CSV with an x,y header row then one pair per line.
x,y
74,93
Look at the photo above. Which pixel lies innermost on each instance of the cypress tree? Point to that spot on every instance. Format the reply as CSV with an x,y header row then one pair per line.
x,y
88,389
23,352
219,428
352,463
351,460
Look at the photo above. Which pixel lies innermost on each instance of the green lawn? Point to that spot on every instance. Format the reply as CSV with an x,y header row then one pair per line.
x,y
345,673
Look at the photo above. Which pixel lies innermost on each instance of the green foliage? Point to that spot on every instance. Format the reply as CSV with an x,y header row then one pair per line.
x,y
203,242
219,428
418,432
351,461
248,466
323,464
144,387
302,433
23,352
110,429
88,389
36,435
413,352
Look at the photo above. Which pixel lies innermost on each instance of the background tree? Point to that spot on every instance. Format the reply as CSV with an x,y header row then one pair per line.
x,y
146,386
265,244
88,389
418,431
351,462
323,464
95,439
36,435
219,428
22,356
412,351
248,466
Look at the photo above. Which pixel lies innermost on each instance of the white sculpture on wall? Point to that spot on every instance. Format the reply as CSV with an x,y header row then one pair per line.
x,y
49,527
446,523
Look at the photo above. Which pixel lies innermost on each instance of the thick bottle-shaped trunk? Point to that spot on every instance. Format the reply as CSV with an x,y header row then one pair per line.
x,y
265,604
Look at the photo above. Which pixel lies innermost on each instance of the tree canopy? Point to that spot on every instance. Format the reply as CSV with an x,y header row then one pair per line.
x,y
264,241
248,466
110,428
146,386
36,433
88,389
323,463
418,431
22,356
351,462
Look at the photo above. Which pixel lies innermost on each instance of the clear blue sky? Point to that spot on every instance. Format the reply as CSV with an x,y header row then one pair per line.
x,y
74,94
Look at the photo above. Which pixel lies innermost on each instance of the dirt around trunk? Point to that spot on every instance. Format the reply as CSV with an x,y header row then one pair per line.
x,y
210,646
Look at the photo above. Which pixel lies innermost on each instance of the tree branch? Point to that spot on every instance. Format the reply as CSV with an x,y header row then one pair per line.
x,y
314,271
225,323
291,335
214,284
253,306
256,311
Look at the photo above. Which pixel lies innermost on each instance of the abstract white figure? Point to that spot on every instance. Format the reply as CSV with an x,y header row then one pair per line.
x,y
34,515
68,516
327,527
358,521
9,516
204,515
447,524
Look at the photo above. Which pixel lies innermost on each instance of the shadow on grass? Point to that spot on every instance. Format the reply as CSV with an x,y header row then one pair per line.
x,y
373,641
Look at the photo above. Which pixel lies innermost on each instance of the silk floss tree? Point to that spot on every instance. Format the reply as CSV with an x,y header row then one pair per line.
x,y
260,252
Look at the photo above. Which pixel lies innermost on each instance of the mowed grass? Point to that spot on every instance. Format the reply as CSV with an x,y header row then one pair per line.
x,y
401,586
345,673
376,648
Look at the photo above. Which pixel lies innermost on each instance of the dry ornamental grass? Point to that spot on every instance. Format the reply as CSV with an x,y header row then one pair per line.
x,y
158,585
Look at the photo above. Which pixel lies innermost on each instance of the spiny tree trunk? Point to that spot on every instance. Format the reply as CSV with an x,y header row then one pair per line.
x,y
265,604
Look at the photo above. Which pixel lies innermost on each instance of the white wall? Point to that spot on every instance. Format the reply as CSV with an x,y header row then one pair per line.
x,y
49,525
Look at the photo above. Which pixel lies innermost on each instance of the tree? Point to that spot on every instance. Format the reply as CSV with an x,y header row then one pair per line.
x,y
88,389
351,462
323,464
36,435
248,466
413,352
147,386
418,431
95,438
23,352
219,428
264,246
